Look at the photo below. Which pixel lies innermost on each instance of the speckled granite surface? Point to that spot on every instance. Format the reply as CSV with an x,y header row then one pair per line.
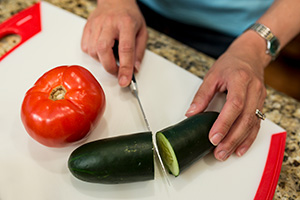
x,y
279,108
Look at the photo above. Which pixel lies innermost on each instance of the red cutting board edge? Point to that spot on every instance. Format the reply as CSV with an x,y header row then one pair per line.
x,y
273,164
272,169
26,24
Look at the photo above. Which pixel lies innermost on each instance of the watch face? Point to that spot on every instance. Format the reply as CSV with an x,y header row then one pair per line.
x,y
274,46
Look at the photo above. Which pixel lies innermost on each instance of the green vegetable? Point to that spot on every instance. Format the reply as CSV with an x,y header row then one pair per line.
x,y
122,159
182,144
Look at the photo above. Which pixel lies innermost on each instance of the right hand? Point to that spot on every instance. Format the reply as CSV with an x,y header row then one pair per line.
x,y
116,20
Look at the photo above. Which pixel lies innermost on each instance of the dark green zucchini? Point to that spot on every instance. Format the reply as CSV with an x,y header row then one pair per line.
x,y
121,159
185,142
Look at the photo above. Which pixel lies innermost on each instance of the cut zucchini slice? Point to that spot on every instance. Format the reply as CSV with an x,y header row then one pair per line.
x,y
184,143
167,154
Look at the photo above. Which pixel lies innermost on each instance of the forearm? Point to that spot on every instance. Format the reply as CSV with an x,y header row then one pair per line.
x,y
283,19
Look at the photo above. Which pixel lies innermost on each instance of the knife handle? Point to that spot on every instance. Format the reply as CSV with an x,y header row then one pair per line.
x,y
133,78
26,24
116,50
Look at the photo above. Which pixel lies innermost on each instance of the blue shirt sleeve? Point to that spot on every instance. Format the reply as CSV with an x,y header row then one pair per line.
x,y
231,17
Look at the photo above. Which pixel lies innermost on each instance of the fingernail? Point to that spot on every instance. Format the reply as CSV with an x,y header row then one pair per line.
x,y
216,139
123,81
222,155
191,110
241,152
137,65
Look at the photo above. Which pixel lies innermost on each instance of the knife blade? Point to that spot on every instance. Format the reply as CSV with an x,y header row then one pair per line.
x,y
134,90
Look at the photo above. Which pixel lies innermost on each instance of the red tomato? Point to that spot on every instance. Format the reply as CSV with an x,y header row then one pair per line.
x,y
63,106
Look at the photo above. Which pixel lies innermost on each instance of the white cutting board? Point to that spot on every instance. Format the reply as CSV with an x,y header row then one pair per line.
x,y
29,170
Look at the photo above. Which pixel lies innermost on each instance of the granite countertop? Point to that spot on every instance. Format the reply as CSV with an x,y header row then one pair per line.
x,y
279,108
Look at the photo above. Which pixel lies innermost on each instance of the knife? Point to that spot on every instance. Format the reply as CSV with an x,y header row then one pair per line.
x,y
134,90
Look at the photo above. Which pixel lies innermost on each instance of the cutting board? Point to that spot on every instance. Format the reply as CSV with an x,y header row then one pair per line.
x,y
29,170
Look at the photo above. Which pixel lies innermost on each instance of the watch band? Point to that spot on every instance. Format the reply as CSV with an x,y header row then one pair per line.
x,y
273,43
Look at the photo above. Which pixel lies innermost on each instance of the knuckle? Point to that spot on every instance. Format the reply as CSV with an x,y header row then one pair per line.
x,y
226,127
108,20
249,120
259,86
232,143
251,137
126,69
237,103
92,52
128,21
243,74
102,46
126,47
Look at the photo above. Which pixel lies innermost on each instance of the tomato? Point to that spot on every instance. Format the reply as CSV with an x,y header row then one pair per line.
x,y
63,106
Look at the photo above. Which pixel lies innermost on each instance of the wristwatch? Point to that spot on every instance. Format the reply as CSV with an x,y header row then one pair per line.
x,y
273,43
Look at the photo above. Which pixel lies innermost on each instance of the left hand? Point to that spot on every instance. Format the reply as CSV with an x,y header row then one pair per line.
x,y
242,77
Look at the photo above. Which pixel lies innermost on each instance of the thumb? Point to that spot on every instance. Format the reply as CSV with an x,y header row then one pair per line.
x,y
202,98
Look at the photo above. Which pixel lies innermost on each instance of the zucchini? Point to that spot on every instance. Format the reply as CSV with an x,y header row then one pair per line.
x,y
115,160
182,144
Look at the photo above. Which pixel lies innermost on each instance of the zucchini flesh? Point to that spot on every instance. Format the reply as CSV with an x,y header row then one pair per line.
x,y
122,159
167,154
182,144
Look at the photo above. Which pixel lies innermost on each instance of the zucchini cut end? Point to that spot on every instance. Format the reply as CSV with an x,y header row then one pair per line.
x,y
167,154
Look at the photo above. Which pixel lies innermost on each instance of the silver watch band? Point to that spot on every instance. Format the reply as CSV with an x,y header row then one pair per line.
x,y
262,30
273,44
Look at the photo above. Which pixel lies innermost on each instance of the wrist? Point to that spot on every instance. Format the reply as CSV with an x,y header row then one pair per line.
x,y
273,44
252,48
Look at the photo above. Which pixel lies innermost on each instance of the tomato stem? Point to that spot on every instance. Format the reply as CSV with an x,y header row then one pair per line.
x,y
57,93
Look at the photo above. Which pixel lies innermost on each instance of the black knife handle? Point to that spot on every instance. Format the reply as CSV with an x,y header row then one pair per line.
x,y
116,50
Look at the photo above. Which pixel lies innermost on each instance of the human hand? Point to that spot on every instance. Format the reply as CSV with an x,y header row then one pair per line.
x,y
116,20
242,77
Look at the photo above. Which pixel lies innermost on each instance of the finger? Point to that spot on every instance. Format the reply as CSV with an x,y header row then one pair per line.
x,y
203,96
141,43
126,55
105,53
246,144
85,38
92,41
247,124
231,110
